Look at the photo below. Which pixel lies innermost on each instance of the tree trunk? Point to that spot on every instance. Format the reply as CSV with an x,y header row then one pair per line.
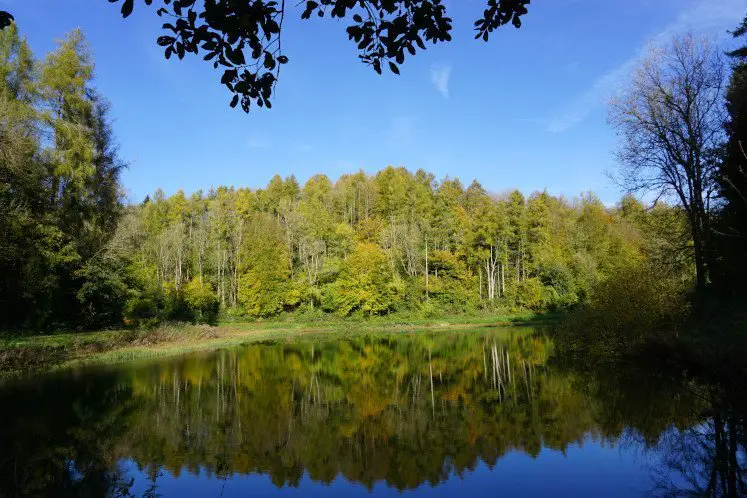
x,y
699,250
426,267
480,287
503,279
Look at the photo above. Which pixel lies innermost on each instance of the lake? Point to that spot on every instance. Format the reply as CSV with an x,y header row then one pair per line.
x,y
469,413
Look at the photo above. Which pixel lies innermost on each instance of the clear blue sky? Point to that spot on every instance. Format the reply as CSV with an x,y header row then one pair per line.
x,y
525,110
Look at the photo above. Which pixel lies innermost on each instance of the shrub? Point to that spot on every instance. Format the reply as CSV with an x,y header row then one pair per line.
x,y
529,294
201,301
624,312
450,283
142,311
365,284
102,295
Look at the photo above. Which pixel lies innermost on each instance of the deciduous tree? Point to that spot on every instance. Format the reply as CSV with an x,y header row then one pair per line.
x,y
670,119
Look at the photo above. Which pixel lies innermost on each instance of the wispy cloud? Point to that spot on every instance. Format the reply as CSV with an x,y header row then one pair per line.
x,y
604,86
706,16
440,75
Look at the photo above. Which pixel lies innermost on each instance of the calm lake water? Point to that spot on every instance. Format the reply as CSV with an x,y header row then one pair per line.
x,y
474,413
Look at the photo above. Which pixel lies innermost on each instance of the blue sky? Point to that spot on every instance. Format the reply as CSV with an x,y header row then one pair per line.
x,y
525,110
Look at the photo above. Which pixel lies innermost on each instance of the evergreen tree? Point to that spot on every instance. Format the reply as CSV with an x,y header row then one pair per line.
x,y
60,196
732,176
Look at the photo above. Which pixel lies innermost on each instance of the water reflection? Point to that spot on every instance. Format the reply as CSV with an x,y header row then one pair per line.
x,y
405,410
706,460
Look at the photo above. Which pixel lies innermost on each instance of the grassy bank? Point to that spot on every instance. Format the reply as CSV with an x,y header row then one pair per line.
x,y
20,355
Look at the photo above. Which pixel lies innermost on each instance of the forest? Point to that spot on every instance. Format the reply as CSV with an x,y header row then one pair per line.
x,y
75,254
605,328
391,242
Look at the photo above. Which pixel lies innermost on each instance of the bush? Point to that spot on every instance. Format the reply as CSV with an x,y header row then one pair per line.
x,y
142,311
450,283
529,294
102,295
201,301
555,301
429,310
262,294
624,312
365,284
559,291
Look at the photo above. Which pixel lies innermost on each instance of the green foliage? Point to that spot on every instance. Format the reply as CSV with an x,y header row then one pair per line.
x,y
394,242
143,310
559,286
59,189
101,295
201,301
529,294
451,283
365,284
625,312
264,284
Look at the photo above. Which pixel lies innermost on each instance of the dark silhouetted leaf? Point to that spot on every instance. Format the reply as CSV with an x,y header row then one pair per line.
x,y
127,6
244,36
165,40
5,19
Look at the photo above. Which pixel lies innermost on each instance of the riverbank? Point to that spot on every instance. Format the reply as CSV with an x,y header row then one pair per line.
x,y
22,355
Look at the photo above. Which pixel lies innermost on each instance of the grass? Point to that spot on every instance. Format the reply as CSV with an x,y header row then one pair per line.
x,y
21,355
327,321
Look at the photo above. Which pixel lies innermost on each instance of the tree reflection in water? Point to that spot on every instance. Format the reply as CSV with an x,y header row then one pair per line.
x,y
407,410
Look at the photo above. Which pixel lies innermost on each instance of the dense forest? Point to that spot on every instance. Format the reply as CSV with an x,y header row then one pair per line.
x,y
394,241
73,253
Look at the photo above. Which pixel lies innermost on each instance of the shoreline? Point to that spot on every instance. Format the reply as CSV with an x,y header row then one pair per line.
x,y
26,356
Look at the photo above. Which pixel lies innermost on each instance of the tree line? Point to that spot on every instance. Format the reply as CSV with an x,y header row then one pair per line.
x,y
375,244
74,254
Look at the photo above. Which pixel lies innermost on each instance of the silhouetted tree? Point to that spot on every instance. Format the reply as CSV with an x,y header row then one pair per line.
x,y
732,175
